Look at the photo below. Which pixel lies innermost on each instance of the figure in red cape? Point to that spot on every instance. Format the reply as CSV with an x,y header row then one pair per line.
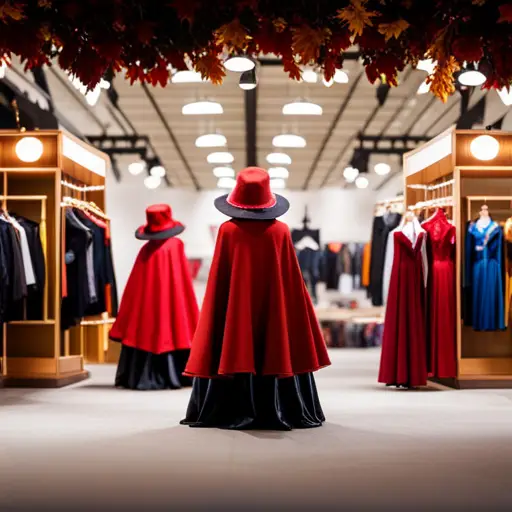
x,y
258,341
158,313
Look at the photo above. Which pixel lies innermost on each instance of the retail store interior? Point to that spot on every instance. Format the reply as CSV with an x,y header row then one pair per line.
x,y
400,220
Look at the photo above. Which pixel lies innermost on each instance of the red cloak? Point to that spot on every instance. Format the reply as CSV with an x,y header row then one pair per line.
x,y
257,316
158,311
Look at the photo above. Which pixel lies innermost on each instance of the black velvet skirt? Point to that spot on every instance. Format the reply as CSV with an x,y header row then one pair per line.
x,y
247,401
138,369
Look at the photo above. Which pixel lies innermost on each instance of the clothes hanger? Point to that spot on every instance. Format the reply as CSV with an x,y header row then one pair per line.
x,y
307,243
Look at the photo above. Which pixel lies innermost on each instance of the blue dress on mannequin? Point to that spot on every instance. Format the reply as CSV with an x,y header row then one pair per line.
x,y
484,277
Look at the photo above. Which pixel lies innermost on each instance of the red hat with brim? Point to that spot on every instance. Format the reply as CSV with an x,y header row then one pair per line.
x,y
160,225
252,197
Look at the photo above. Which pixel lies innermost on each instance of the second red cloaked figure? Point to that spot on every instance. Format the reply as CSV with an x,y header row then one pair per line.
x,y
258,341
158,313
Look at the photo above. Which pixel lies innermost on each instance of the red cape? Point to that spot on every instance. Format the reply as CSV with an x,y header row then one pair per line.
x,y
158,312
257,316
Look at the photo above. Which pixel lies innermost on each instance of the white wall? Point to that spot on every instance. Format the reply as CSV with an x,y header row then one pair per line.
x,y
392,188
341,215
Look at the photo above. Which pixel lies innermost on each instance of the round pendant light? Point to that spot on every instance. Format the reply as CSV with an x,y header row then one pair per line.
x,y
223,172
220,157
484,147
158,171
152,182
328,83
302,108
278,172
309,76
226,183
505,95
382,169
279,159
350,174
239,64
362,182
289,140
198,108
248,80
211,140
471,77
136,168
277,183
29,149
423,88
340,77
187,77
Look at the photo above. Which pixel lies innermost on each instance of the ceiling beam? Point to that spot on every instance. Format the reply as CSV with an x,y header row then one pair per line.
x,y
251,142
173,138
331,129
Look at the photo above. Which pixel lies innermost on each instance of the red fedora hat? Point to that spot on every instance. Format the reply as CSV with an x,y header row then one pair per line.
x,y
159,224
252,198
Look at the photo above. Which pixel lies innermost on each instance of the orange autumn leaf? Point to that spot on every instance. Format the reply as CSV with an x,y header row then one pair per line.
x,y
441,81
232,34
306,42
210,67
10,10
357,16
393,29
279,24
290,67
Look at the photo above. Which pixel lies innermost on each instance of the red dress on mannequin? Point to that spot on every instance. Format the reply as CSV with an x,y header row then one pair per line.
x,y
403,358
441,293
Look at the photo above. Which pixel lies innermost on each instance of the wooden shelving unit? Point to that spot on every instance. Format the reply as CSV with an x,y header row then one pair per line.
x,y
37,353
484,359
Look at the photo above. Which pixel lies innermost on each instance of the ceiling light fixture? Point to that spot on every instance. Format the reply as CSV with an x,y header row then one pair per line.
x,y
302,108
350,173
362,182
136,168
277,183
93,96
187,77
289,140
484,147
29,149
309,76
248,80
423,88
340,77
505,95
223,172
211,140
278,172
279,159
197,108
328,83
157,171
239,64
220,157
226,183
470,76
152,182
427,65
382,169
104,84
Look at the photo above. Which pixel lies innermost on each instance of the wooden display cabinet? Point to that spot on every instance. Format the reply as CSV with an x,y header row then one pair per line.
x,y
484,359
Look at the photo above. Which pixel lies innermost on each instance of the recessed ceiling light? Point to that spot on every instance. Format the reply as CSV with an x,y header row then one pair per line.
x,y
362,182
211,140
279,159
328,83
350,174
506,95
289,140
29,149
223,172
248,80
226,183
340,77
484,147
471,77
136,168
104,84
302,108
423,88
382,169
278,172
239,64
220,157
158,171
309,76
202,108
152,182
277,183
187,77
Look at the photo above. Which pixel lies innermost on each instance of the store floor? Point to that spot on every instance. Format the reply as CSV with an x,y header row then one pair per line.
x,y
93,447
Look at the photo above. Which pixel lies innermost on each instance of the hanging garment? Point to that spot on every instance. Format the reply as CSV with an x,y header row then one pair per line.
x,y
30,277
483,277
382,227
257,316
403,358
309,262
365,265
345,270
508,271
159,311
331,266
441,318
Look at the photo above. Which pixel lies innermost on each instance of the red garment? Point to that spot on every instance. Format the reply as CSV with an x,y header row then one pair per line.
x,y
101,224
403,357
257,316
158,311
441,293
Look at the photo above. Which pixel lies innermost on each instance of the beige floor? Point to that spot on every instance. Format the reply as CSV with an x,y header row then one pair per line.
x,y
92,447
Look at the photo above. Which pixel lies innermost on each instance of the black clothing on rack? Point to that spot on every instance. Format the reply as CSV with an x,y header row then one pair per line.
x,y
310,263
